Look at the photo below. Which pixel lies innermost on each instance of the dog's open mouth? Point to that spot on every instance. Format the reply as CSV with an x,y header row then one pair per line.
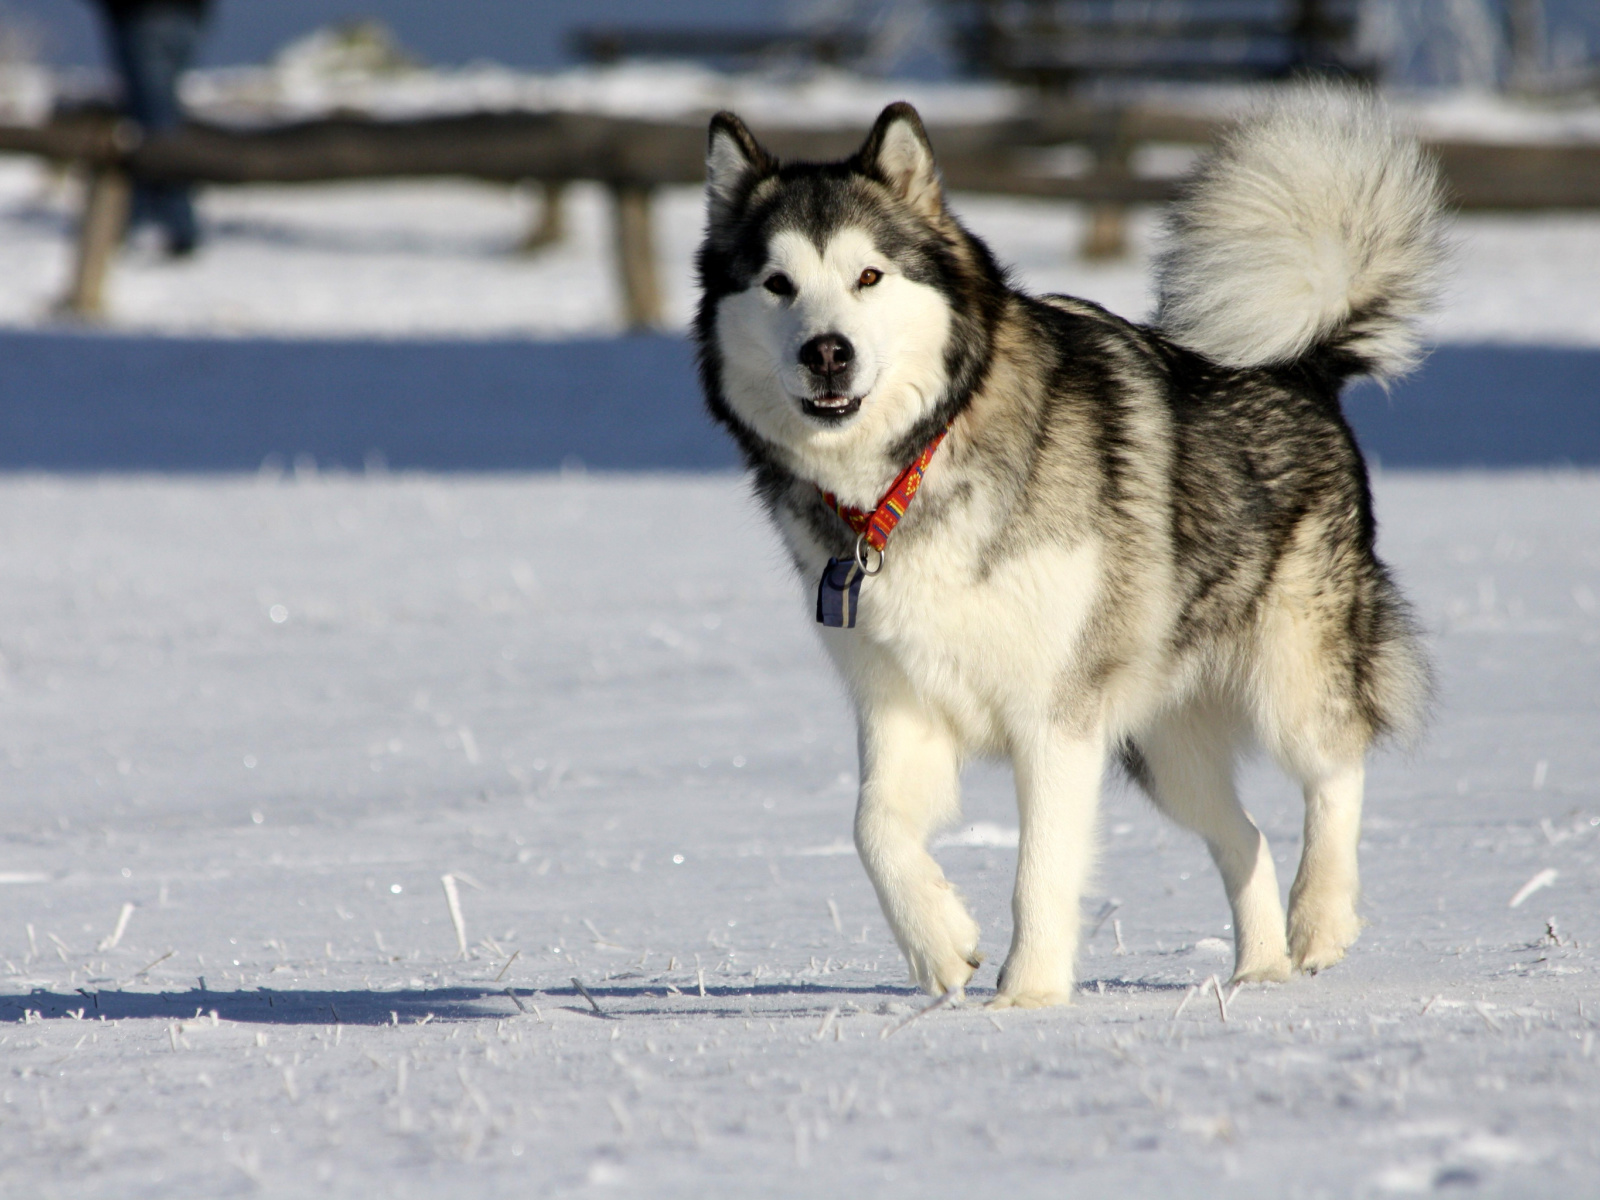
x,y
830,407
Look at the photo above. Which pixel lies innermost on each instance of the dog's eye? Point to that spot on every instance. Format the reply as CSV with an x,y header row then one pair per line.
x,y
779,284
869,277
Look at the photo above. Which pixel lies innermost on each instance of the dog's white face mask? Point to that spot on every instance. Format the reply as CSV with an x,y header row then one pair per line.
x,y
833,347
833,353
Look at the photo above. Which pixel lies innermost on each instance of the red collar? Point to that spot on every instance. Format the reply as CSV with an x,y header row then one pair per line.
x,y
876,525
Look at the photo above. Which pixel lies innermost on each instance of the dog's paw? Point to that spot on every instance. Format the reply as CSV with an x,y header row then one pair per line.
x,y
941,948
1030,999
1257,971
1320,934
937,978
1317,954
949,959
1261,954
1022,986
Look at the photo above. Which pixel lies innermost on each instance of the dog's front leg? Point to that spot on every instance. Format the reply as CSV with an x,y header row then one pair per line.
x,y
910,781
1058,793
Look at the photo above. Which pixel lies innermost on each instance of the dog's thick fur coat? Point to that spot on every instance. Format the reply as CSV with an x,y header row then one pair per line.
x,y
1145,544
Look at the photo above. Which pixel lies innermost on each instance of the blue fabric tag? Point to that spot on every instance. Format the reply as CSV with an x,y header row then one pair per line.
x,y
838,592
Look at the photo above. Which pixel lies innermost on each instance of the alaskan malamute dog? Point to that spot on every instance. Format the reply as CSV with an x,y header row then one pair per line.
x,y
1145,544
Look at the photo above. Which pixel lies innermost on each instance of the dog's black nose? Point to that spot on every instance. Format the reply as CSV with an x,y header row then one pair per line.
x,y
828,354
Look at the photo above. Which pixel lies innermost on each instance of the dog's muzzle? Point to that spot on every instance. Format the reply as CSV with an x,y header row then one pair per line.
x,y
829,360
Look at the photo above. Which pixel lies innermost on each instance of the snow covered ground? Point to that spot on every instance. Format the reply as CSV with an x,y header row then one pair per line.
x,y
271,714
438,259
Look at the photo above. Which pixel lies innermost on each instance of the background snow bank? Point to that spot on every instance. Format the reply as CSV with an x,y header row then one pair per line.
x,y
271,715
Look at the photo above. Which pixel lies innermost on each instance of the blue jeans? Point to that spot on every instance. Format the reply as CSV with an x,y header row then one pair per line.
x,y
152,45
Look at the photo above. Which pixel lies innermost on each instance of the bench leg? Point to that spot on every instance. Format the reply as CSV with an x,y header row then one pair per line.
x,y
105,220
1107,234
636,257
551,225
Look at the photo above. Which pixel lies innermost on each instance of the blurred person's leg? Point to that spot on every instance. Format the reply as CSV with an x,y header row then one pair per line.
x,y
153,45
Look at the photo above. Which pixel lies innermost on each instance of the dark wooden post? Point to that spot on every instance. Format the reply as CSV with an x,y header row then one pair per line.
x,y
1107,235
636,256
1525,22
551,225
105,220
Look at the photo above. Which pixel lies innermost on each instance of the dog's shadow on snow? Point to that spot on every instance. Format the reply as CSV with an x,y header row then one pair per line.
x,y
267,1006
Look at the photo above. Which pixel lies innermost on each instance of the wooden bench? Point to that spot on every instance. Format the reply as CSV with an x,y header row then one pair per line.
x,y
1064,44
724,48
634,157
631,157
1075,45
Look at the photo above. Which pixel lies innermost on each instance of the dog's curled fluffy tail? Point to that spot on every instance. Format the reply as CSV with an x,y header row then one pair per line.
x,y
1314,229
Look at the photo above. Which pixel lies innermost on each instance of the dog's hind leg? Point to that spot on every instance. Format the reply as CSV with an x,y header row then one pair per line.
x,y
1186,765
1058,793
1333,654
1322,902
910,787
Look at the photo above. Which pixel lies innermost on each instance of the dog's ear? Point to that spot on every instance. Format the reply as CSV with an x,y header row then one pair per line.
x,y
734,160
897,151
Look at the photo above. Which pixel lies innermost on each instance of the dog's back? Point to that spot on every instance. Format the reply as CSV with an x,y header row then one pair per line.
x,y
1302,254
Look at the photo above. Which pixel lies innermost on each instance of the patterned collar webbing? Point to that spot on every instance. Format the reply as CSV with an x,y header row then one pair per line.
x,y
879,523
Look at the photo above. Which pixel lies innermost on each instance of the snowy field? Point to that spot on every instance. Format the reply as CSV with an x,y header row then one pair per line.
x,y
438,259
270,715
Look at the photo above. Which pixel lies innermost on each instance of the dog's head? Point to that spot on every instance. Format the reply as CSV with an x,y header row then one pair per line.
x,y
841,303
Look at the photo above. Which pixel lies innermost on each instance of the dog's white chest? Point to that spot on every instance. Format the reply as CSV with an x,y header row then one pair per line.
x,y
985,647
